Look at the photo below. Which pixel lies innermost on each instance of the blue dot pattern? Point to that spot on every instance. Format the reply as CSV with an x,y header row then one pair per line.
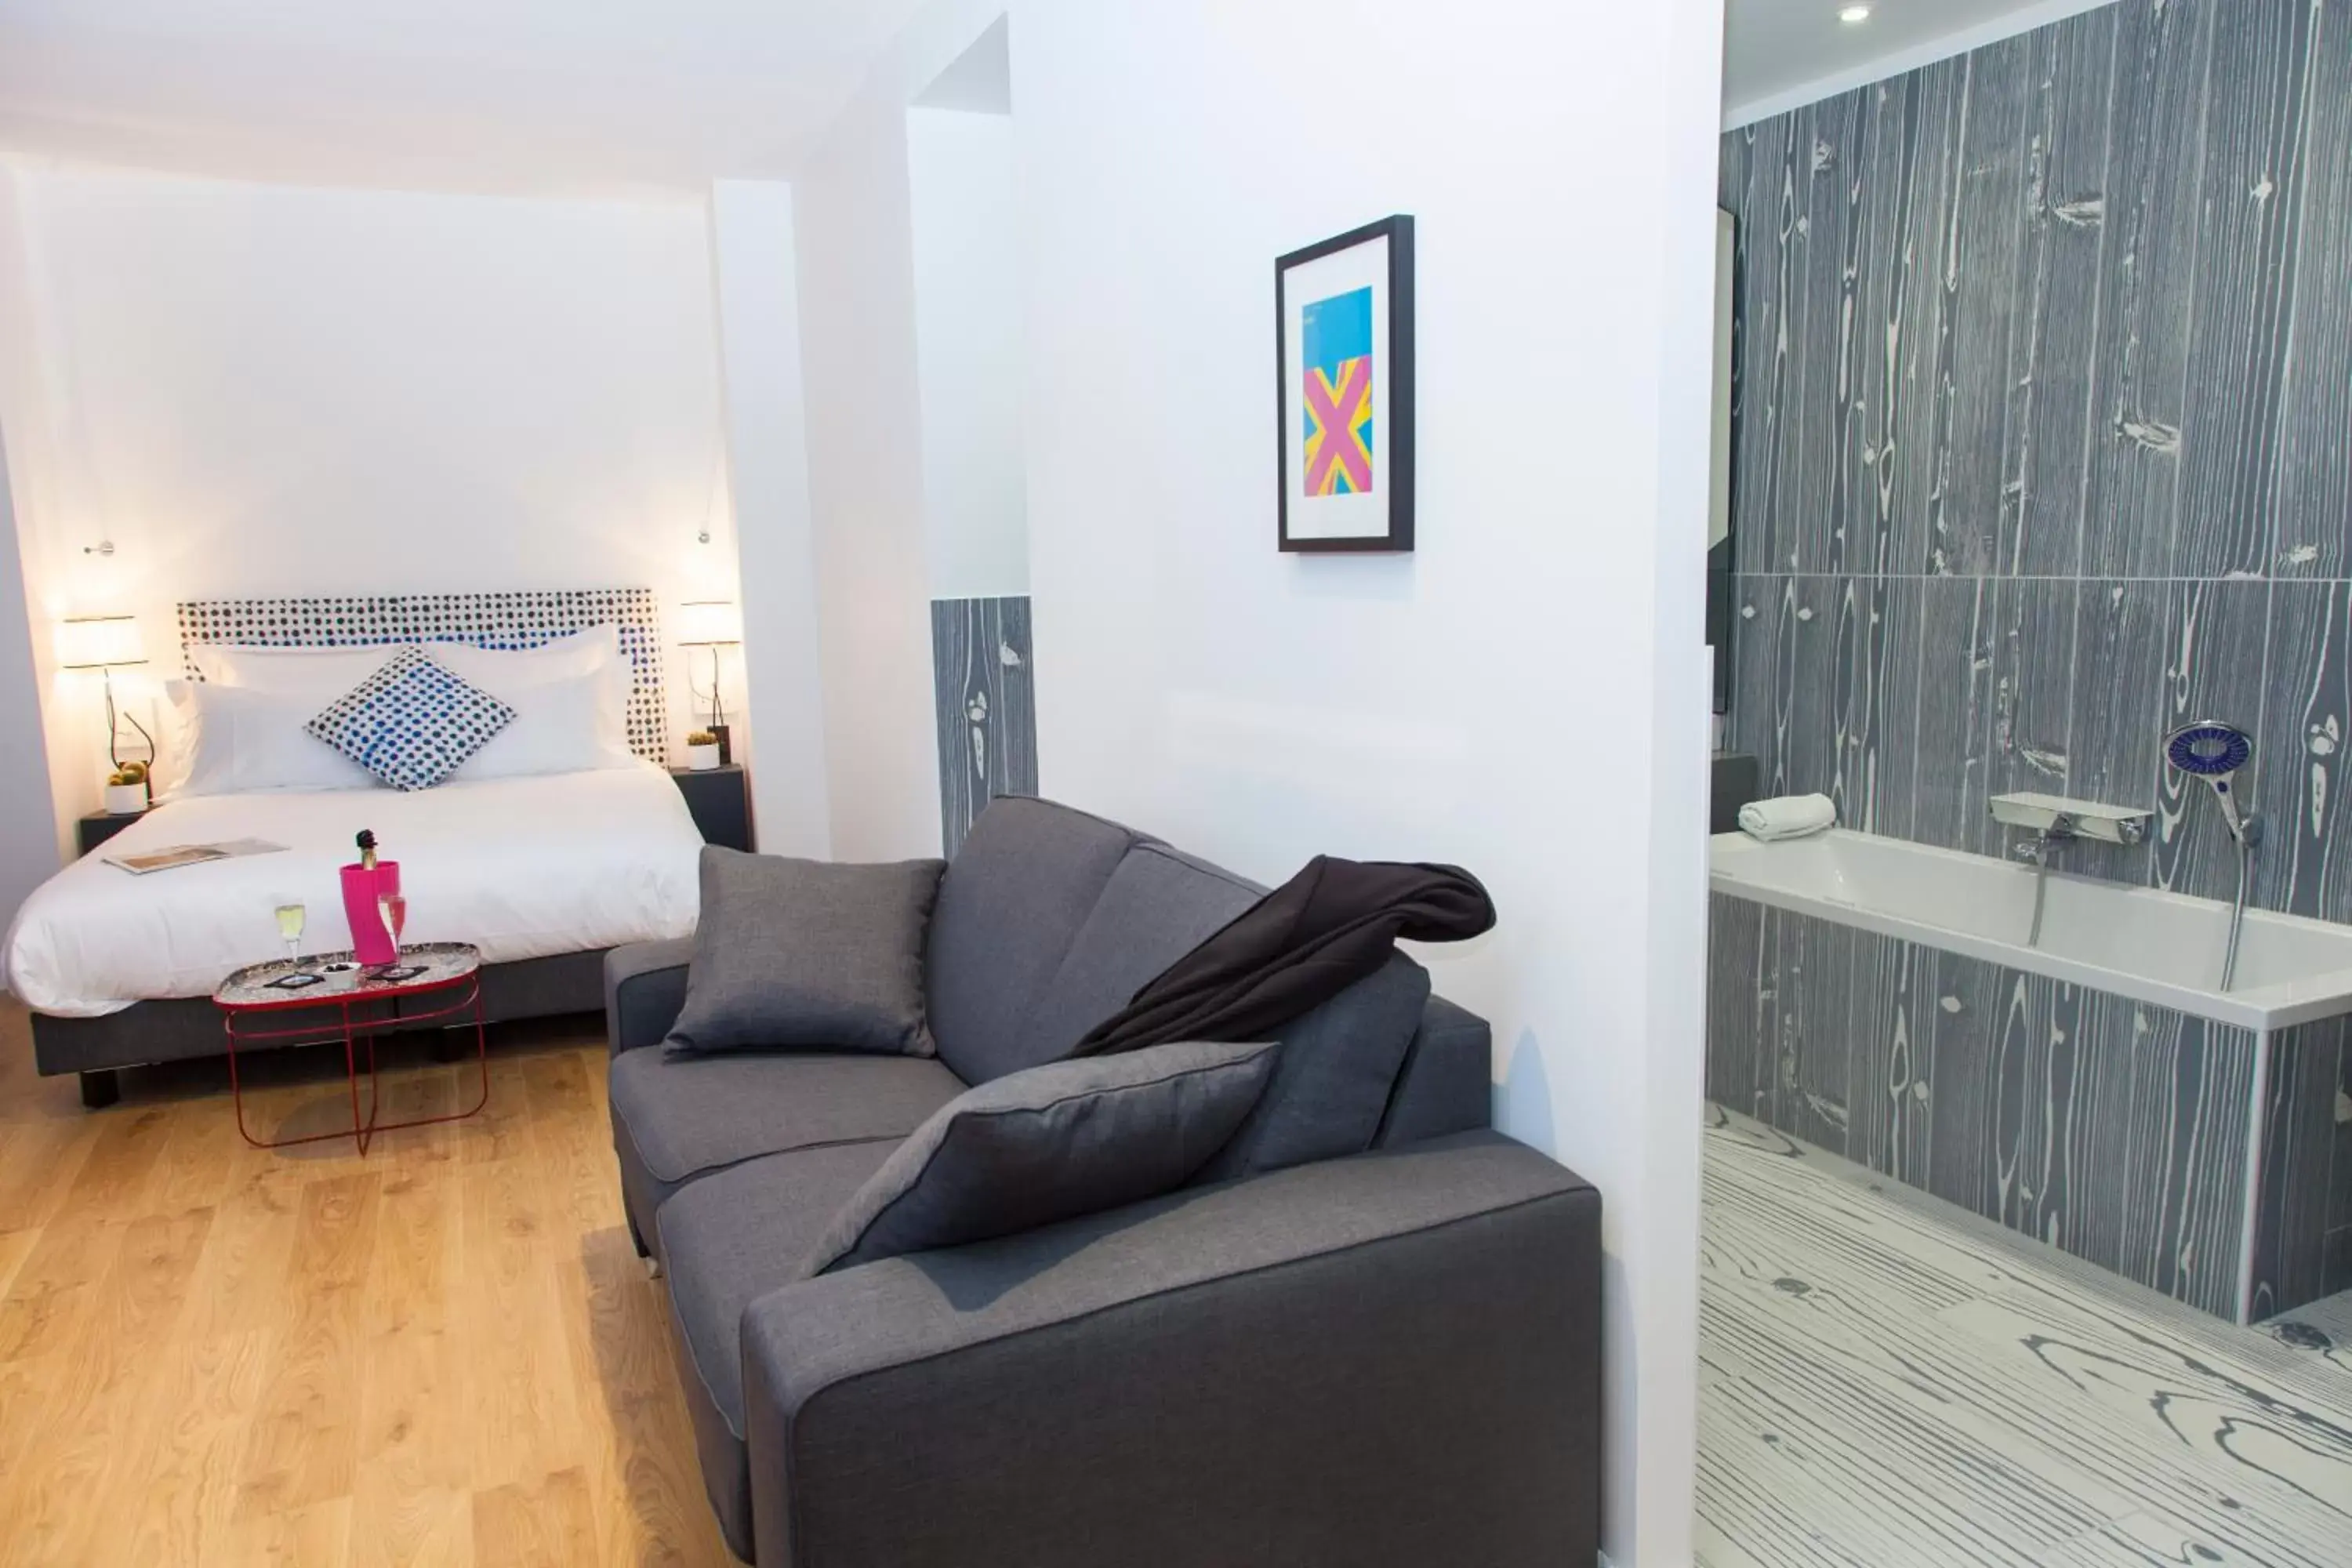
x,y
412,723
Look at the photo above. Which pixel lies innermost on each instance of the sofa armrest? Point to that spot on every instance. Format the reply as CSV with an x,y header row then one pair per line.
x,y
1387,1360
645,988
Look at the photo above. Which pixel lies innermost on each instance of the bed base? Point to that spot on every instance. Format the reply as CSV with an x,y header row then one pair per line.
x,y
185,1027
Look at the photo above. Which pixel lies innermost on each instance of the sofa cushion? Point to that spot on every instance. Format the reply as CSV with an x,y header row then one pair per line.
x,y
726,1241
809,955
1447,1082
1015,898
1157,906
1332,1077
687,1115
1048,1144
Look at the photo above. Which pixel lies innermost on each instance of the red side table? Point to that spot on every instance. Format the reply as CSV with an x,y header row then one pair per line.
x,y
357,1002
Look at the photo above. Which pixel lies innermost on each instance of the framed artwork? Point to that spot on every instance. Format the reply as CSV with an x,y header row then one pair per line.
x,y
1343,344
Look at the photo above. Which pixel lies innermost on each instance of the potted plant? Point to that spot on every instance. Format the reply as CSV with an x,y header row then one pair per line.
x,y
702,751
126,790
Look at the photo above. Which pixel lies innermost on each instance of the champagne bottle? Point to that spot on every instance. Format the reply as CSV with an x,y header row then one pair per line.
x,y
367,849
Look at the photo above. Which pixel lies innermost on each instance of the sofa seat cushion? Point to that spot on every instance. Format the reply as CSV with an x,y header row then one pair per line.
x,y
686,1115
727,1240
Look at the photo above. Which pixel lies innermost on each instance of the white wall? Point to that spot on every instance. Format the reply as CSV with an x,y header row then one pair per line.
x,y
28,840
759,355
269,390
1526,695
966,259
854,225
25,425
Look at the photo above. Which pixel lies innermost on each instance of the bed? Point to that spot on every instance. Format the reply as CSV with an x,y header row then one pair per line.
x,y
542,871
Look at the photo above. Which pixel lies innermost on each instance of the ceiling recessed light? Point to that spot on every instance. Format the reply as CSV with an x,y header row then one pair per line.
x,y
1853,13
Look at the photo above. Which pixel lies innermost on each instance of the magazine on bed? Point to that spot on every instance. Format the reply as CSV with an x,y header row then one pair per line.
x,y
192,855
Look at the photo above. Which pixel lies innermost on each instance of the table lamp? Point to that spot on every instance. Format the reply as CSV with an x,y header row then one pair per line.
x,y
713,624
106,644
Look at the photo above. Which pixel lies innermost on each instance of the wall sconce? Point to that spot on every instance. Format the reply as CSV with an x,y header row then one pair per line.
x,y
106,644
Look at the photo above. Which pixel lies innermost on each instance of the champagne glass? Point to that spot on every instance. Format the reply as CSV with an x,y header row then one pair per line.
x,y
291,919
394,909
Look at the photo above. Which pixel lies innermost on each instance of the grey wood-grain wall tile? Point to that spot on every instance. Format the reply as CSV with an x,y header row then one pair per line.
x,y
2306,726
1874,662
1891,1069
2155,163
1741,995
1958,633
2248,218
1962,1024
2291,1217
2114,749
984,682
2055,335
2314,478
2337,1253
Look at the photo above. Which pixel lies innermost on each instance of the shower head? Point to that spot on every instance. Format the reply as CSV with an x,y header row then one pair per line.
x,y
2213,752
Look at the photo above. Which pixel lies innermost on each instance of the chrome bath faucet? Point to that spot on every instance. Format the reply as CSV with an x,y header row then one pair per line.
x,y
2062,830
2053,824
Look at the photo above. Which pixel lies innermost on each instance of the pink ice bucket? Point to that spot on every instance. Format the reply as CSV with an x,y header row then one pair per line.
x,y
371,942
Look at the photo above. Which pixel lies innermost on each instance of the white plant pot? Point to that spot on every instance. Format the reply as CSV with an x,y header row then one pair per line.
x,y
125,800
702,758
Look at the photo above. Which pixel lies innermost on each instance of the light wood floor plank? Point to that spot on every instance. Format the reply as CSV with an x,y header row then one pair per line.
x,y
550,1523
445,1353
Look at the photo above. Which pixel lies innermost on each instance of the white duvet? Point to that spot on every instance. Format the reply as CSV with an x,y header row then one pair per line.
x,y
522,868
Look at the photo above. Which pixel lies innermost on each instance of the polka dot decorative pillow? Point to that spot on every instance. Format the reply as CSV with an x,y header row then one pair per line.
x,y
412,723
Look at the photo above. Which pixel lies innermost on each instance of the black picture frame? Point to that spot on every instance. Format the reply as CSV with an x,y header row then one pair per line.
x,y
1398,412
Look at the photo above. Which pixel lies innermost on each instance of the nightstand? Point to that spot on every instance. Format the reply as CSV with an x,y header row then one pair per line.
x,y
100,826
721,800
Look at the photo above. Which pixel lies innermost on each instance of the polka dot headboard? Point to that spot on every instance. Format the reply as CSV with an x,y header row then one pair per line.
x,y
518,620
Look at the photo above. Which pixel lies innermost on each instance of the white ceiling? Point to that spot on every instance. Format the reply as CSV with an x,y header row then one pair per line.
x,y
593,96
599,96
1779,54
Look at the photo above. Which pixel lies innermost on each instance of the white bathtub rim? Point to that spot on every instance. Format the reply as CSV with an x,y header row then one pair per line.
x,y
2304,1000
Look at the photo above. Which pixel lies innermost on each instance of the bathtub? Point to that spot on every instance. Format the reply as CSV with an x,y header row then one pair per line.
x,y
2151,947
2099,1091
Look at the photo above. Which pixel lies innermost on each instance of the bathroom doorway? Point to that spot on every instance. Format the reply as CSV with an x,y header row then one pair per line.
x,y
2027,1204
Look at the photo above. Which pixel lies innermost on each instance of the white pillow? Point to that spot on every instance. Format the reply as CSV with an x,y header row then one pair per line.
x,y
487,667
236,739
296,671
568,725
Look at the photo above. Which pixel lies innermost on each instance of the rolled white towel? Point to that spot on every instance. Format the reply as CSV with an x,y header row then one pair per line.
x,y
1790,817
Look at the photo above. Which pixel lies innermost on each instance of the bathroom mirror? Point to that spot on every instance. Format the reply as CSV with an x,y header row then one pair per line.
x,y
1718,538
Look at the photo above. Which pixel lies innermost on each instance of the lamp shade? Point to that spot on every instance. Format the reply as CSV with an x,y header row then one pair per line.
x,y
101,642
709,623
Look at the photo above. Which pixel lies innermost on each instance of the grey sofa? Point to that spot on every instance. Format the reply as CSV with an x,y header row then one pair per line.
x,y
1386,1358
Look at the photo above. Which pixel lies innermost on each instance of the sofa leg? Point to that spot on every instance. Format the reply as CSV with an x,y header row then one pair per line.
x,y
645,1254
100,1088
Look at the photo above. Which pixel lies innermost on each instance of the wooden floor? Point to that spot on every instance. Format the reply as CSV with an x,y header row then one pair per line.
x,y
445,1353
1887,1381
